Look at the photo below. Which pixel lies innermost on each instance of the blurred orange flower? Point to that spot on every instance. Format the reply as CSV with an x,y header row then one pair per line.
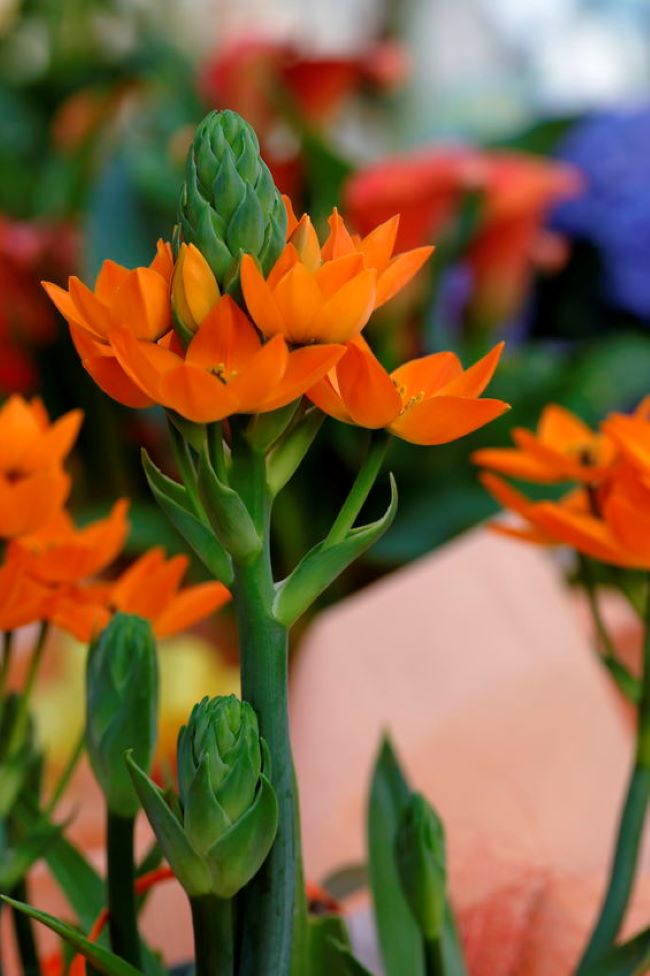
x,y
33,484
427,189
136,300
150,588
431,400
328,293
563,448
23,600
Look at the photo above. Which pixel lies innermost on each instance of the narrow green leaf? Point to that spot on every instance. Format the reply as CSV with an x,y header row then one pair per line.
x,y
18,859
630,959
346,881
78,880
400,940
174,500
102,959
348,963
327,936
226,512
324,563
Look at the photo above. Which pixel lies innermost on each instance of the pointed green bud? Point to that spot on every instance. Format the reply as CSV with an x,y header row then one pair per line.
x,y
121,707
421,864
229,204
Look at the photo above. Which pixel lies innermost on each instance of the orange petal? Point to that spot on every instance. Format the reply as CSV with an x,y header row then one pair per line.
x,y
630,525
507,496
94,315
377,246
344,315
196,395
474,380
305,241
109,279
83,552
28,504
163,262
332,275
399,272
111,378
517,464
142,303
327,399
58,440
189,606
559,428
194,287
285,262
443,419
426,375
63,301
146,363
149,583
260,302
226,338
292,220
583,532
298,299
261,375
367,390
305,368
339,241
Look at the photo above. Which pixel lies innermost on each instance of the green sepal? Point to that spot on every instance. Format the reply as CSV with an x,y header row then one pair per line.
x,y
191,432
175,502
421,859
239,854
287,455
325,562
264,429
183,859
204,817
630,959
19,857
226,512
102,959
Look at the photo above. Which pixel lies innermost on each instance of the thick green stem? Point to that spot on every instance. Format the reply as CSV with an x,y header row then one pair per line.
x,y
267,903
122,922
24,931
434,964
628,841
213,936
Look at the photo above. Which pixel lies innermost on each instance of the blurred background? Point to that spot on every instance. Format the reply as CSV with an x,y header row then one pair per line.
x,y
516,137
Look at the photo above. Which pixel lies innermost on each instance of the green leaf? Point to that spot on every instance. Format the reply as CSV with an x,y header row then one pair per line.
x,y
226,511
174,500
264,429
630,959
18,859
349,964
286,457
400,940
324,563
78,880
183,859
327,936
102,959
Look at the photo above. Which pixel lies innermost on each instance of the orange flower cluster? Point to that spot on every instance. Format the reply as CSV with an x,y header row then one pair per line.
x,y
606,514
302,335
50,565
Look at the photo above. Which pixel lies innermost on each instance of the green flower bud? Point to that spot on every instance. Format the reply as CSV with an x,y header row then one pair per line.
x,y
121,706
229,204
228,809
421,864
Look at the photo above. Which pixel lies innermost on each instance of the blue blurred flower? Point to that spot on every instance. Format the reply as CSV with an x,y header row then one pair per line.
x,y
613,151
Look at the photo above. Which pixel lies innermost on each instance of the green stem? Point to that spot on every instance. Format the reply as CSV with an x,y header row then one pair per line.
x,y
24,932
7,649
625,680
630,830
122,922
22,711
267,903
360,489
434,963
213,936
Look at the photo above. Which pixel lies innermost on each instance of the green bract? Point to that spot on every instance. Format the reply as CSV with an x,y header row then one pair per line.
x,y
228,814
229,204
122,706
421,864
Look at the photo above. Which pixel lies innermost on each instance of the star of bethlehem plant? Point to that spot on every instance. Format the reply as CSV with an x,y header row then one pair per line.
x,y
247,330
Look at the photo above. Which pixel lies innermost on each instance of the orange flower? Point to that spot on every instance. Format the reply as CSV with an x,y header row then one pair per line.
x,y
427,189
631,434
150,588
136,300
61,553
431,400
33,484
226,368
562,449
22,599
328,293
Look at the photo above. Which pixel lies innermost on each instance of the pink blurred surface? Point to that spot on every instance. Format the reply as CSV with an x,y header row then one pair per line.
x,y
474,659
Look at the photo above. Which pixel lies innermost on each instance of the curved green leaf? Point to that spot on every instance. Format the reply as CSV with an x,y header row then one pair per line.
x,y
228,515
325,562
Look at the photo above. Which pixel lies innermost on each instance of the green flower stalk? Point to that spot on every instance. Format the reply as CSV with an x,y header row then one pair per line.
x,y
121,715
229,204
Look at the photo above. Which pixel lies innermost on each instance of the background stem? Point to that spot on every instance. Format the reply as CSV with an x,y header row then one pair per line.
x,y
24,931
213,936
122,922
